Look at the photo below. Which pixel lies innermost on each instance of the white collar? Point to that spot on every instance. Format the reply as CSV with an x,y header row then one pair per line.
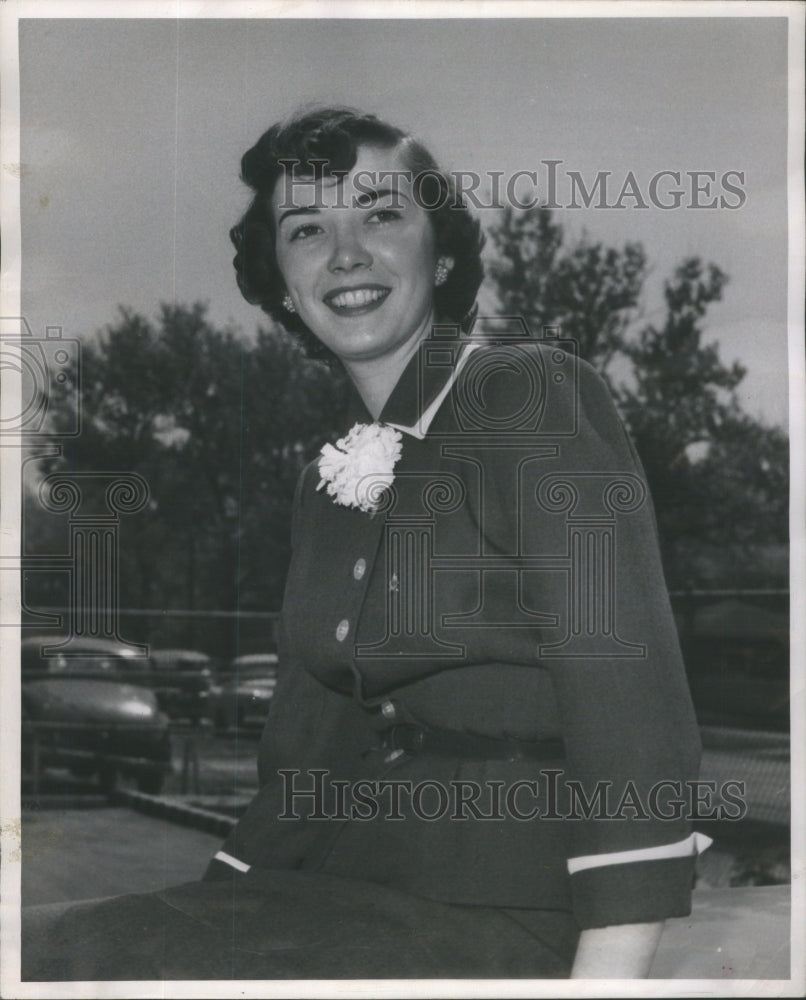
x,y
420,429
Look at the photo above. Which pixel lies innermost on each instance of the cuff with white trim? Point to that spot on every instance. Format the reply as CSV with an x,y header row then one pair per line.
x,y
696,843
633,887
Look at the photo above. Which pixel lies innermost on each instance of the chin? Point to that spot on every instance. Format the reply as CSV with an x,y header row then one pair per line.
x,y
364,344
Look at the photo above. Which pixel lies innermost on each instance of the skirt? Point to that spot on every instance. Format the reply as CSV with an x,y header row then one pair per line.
x,y
264,925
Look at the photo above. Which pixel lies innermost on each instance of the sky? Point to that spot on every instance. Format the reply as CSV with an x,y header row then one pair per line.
x,y
132,133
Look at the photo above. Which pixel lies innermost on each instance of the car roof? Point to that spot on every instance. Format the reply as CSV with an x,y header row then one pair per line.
x,y
254,659
80,646
195,655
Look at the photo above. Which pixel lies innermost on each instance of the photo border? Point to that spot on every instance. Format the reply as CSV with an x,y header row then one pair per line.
x,y
10,601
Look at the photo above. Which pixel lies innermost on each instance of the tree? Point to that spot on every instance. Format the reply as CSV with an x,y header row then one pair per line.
x,y
701,453
718,477
220,428
590,291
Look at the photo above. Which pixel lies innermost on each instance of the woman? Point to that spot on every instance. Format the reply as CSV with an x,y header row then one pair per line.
x,y
476,753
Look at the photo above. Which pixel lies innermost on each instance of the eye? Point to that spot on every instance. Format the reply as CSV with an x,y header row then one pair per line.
x,y
383,215
305,232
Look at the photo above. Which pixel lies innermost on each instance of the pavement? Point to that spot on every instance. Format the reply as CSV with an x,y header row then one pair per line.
x,y
72,854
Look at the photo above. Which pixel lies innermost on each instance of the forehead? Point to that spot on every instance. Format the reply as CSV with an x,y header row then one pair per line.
x,y
375,169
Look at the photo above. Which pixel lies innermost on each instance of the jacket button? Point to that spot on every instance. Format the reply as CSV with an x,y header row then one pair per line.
x,y
388,710
360,568
342,629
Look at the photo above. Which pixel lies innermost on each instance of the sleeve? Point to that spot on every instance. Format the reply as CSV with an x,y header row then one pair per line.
x,y
631,739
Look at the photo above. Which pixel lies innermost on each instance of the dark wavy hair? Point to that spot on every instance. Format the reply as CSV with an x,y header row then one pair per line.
x,y
325,141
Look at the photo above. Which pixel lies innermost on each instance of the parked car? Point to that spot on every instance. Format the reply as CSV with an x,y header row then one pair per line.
x,y
181,680
240,698
89,709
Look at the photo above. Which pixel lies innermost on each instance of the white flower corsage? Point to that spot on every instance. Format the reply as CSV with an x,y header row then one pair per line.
x,y
361,465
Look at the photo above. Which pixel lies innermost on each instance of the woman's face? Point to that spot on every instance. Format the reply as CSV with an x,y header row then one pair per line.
x,y
358,257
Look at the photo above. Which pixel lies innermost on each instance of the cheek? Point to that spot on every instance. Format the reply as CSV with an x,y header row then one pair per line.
x,y
295,268
417,259
283,265
424,276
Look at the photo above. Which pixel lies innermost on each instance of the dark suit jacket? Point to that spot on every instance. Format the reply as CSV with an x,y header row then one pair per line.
x,y
509,590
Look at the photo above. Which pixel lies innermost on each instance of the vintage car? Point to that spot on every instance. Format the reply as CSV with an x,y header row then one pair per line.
x,y
181,680
240,697
88,707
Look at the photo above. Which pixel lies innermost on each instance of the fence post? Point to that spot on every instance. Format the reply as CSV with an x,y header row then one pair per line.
x,y
190,762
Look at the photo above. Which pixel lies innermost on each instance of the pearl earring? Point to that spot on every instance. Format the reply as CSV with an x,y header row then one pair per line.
x,y
441,272
288,305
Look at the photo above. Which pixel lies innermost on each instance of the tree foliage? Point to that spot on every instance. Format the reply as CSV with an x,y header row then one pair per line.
x,y
718,477
220,428
588,290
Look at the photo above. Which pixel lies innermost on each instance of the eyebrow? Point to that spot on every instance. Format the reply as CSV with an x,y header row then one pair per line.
x,y
365,199
311,210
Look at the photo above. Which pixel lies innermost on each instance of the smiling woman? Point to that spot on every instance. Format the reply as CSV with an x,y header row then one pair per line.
x,y
475,632
360,275
357,189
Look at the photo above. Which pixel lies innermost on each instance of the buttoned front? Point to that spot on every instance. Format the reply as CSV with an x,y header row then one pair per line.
x,y
464,623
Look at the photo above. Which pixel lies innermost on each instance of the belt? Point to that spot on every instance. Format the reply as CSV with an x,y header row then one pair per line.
x,y
442,743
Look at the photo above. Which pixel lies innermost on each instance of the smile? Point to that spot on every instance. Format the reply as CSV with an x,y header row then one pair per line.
x,y
353,300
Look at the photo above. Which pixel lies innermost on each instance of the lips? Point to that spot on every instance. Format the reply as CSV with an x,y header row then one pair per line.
x,y
362,298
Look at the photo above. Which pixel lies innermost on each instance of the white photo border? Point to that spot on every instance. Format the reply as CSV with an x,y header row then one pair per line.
x,y
11,12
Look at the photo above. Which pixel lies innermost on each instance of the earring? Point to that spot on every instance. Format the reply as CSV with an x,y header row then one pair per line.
x,y
442,270
288,305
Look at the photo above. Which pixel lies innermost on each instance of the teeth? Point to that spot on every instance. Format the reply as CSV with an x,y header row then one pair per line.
x,y
357,297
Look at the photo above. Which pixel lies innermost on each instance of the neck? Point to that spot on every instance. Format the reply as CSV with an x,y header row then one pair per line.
x,y
375,378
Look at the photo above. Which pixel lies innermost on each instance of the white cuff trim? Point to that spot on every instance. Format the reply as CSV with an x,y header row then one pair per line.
x,y
232,862
695,844
420,429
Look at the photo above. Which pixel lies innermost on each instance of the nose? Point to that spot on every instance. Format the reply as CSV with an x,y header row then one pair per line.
x,y
349,251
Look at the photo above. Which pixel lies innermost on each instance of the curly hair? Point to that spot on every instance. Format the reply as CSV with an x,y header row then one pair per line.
x,y
325,142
